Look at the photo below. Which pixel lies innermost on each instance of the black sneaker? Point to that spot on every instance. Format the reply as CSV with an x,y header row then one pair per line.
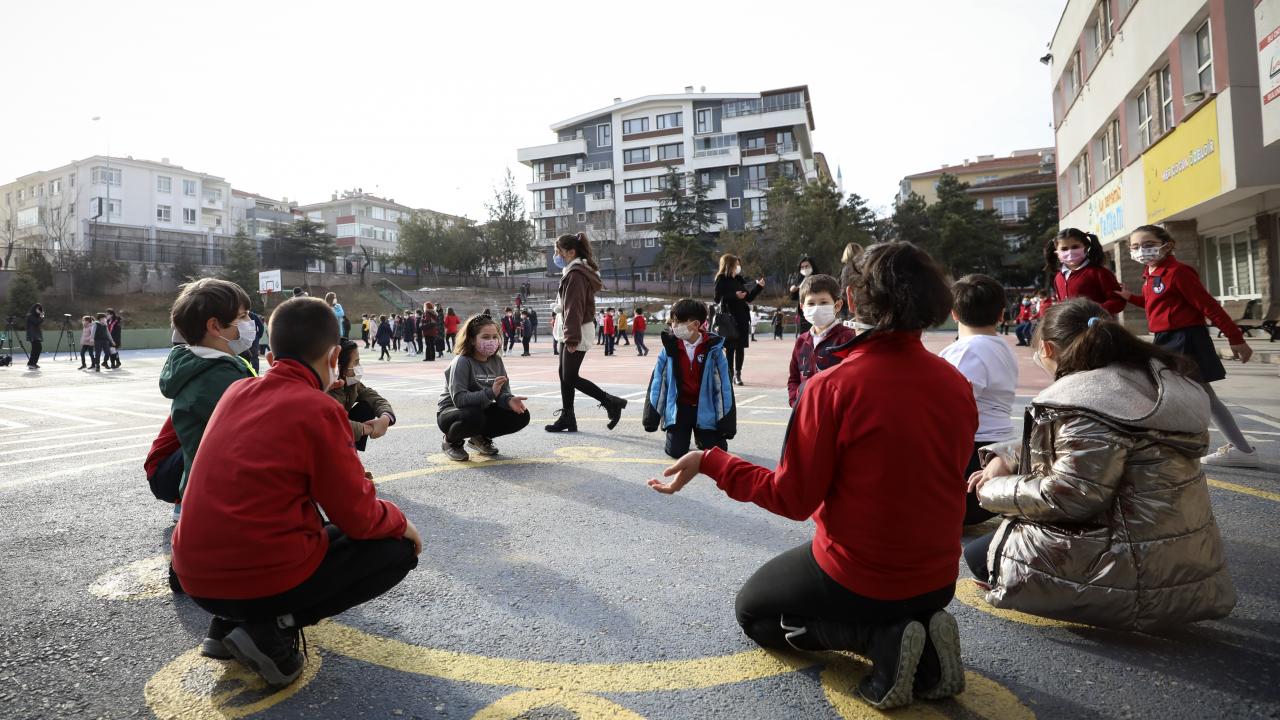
x,y
941,672
894,653
454,452
212,645
267,650
483,445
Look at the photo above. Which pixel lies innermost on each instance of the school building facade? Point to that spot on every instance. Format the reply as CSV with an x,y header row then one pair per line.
x,y
1168,112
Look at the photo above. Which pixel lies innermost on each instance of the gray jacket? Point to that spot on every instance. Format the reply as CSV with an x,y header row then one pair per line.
x,y
1107,515
469,383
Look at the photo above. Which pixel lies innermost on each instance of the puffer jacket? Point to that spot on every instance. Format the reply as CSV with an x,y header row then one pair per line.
x,y
1108,520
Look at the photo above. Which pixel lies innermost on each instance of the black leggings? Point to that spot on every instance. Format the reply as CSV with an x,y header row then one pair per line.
x,y
973,512
458,424
975,556
792,587
353,572
735,354
571,380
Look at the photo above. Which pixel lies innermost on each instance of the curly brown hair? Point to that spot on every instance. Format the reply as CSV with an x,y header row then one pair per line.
x,y
898,286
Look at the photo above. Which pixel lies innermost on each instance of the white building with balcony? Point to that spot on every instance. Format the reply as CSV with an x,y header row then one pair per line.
x,y
1162,117
362,222
605,172
70,207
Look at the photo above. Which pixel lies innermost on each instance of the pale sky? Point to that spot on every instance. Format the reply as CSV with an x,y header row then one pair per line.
x,y
426,102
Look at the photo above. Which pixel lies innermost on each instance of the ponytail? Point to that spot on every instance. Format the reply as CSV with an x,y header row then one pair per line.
x,y
1088,338
581,247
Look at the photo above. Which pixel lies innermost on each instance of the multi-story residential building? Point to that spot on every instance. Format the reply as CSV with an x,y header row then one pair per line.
x,y
607,169
258,215
1011,197
1159,118
130,209
985,169
364,222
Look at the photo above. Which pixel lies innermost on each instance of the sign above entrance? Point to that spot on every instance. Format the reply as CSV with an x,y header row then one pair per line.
x,y
1184,169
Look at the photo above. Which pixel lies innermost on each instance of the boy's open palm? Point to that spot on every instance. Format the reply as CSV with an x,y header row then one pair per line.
x,y
684,469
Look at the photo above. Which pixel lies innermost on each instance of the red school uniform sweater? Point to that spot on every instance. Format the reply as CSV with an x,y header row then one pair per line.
x,y
1174,298
609,327
690,375
1091,281
808,360
638,324
275,447
874,453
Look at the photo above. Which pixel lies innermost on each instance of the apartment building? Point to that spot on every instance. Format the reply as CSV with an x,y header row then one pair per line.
x,y
364,222
607,169
1159,118
982,170
258,215
119,204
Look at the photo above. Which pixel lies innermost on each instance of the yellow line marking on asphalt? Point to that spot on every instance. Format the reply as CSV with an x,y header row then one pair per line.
x,y
968,592
982,697
518,705
193,687
139,580
1245,489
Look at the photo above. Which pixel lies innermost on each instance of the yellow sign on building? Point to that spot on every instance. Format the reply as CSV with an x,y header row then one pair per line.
x,y
1184,169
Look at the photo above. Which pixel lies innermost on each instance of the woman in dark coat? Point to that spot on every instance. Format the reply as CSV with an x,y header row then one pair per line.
x,y
35,334
429,327
734,298
117,332
804,269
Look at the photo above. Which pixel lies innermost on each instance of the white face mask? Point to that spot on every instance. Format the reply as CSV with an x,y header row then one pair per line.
x,y
245,341
1038,358
357,374
1148,255
737,269
806,271
820,315
683,332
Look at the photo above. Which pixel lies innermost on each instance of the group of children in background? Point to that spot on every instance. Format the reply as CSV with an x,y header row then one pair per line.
x,y
100,337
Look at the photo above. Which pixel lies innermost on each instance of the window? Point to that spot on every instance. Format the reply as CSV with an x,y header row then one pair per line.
x,y
650,242
660,182
1204,58
39,191
1102,28
758,209
671,152
1145,133
1230,267
735,203
22,193
1080,178
733,171
636,243
639,155
1166,99
637,125
604,135
113,207
640,216
164,213
786,141
562,198
1155,107
582,189
977,204
1010,208
582,217
757,177
1109,147
638,185
753,143
670,120
559,166
189,188
703,121
188,216
109,176
71,181
1071,86
378,213
164,184
55,187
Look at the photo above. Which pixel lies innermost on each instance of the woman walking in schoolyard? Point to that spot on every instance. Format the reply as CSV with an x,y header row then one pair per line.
x,y
35,334
579,283
734,319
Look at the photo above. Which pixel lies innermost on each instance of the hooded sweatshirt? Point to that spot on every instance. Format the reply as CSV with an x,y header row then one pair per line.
x,y
194,378
578,287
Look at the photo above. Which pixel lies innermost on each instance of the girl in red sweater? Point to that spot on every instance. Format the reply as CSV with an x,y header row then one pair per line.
x,y
1177,304
1075,266
880,486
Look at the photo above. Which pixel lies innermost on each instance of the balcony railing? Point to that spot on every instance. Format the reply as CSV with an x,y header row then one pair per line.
x,y
554,204
569,137
713,145
593,166
759,183
553,175
742,108
602,195
770,149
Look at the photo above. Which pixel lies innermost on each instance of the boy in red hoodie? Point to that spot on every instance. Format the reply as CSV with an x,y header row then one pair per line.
x,y
251,547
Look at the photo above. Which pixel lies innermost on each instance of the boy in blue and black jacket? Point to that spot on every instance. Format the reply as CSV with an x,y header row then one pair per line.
x,y
690,392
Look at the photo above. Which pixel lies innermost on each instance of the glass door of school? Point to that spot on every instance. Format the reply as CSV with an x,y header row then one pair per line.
x,y
1230,265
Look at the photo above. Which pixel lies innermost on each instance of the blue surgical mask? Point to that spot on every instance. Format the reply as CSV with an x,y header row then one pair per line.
x,y
559,261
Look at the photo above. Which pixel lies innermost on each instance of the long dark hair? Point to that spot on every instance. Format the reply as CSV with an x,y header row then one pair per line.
x,y
346,353
898,286
1088,338
1093,252
465,340
37,308
581,246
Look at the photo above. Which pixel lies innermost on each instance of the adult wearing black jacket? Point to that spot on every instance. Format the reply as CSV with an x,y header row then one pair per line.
x,y
804,269
35,334
734,298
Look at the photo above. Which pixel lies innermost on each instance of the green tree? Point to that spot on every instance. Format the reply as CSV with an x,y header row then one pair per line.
x,y
910,221
966,239
422,244
508,232
242,265
813,219
24,292
40,268
293,246
1028,258
683,216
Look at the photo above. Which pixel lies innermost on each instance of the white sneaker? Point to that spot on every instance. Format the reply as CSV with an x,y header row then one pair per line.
x,y
1231,456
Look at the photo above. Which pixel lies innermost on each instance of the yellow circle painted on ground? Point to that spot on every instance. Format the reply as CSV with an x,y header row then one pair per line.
x,y
971,594
194,687
564,685
144,579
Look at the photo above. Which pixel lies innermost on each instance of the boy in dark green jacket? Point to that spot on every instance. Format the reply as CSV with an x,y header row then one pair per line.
x,y
212,316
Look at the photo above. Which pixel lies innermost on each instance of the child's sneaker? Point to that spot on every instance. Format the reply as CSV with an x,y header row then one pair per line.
x,y
483,445
454,452
268,651
1231,456
212,645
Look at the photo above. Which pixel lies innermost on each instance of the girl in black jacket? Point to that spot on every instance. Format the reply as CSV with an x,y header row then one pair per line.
x,y
734,298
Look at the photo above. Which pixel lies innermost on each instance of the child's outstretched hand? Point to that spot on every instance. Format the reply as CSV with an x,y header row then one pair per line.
x,y
1242,352
684,469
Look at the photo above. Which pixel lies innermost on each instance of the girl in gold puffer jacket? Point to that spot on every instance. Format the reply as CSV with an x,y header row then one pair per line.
x,y
1107,513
